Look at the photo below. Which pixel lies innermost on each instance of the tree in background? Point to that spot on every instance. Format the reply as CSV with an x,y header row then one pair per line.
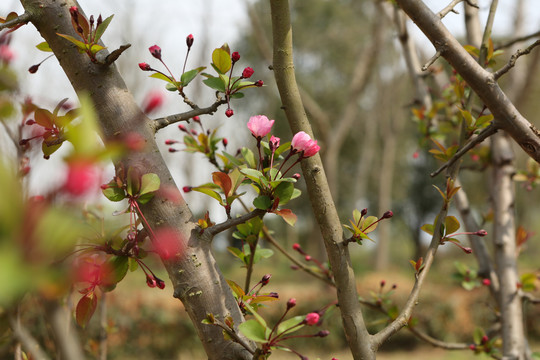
x,y
43,233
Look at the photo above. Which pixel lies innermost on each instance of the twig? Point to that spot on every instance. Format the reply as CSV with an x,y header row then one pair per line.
x,y
233,335
530,298
30,344
113,56
516,40
484,134
216,229
171,119
512,62
302,267
19,20
450,7
431,61
438,343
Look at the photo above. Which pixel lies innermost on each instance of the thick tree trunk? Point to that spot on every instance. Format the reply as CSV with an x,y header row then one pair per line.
x,y
196,279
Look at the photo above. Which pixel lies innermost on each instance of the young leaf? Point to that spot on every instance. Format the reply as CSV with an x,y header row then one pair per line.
x,y
237,289
190,75
149,183
221,60
284,192
80,45
114,193
262,202
163,77
210,193
288,326
43,46
86,308
253,330
287,215
223,181
101,28
452,224
215,83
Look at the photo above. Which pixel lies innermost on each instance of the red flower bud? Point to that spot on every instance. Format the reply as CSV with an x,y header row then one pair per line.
x,y
323,333
151,281
484,339
187,189
74,11
99,20
225,142
259,83
197,119
30,122
155,51
170,142
308,257
160,283
387,215
274,295
383,282
296,176
33,69
486,282
91,20
189,41
265,279
467,250
472,347
172,150
144,66
246,74
194,132
481,232
235,56
182,127
363,212
104,186
229,112
312,318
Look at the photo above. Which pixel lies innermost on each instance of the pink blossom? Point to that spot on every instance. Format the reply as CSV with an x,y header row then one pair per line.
x,y
302,142
259,126
81,177
274,142
6,54
153,101
312,318
155,51
167,243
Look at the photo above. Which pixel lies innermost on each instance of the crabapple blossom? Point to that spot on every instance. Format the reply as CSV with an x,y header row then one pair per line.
x,y
259,126
302,142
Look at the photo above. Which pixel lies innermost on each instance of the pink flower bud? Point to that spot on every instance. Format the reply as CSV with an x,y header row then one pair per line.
x,y
296,247
363,212
99,20
265,279
189,41
224,141
194,132
160,283
151,281
467,250
273,294
182,127
486,282
259,83
383,282
153,101
235,56
274,142
323,333
170,142
197,119
82,176
6,54
307,257
229,112
472,347
260,126
144,66
187,189
481,232
155,51
172,150
296,176
302,143
312,318
484,339
291,303
387,215
74,11
246,74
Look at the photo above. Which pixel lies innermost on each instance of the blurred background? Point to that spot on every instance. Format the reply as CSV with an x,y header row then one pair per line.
x,y
359,96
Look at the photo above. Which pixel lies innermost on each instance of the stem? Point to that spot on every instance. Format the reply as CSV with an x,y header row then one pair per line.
x,y
253,249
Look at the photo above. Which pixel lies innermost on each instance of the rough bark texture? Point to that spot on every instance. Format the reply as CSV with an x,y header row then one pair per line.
x,y
196,279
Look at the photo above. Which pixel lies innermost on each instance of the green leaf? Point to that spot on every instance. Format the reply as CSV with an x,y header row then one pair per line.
x,y
114,193
210,193
237,289
149,183
236,252
369,224
253,174
428,228
48,150
102,27
262,202
188,76
215,83
253,330
163,77
116,268
451,224
44,46
44,118
478,334
86,308
96,48
237,95
80,45
356,216
221,60
284,192
249,157
288,326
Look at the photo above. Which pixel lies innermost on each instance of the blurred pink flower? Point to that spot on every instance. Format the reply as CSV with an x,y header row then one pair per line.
x,y
312,318
153,101
82,176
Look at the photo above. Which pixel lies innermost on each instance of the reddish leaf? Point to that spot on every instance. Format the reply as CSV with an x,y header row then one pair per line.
x,y
287,215
86,308
44,118
223,181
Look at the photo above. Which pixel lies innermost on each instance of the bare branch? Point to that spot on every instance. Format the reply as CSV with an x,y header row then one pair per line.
x,y
431,61
517,40
530,298
216,229
484,134
171,119
436,342
19,20
512,62
30,344
302,267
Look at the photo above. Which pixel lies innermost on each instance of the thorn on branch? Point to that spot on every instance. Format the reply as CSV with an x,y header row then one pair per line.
x,y
512,62
432,60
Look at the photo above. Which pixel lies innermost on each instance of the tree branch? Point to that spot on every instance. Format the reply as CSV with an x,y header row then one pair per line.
x,y
28,341
450,7
171,119
512,62
317,185
484,134
507,117
517,40
436,342
19,20
216,229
